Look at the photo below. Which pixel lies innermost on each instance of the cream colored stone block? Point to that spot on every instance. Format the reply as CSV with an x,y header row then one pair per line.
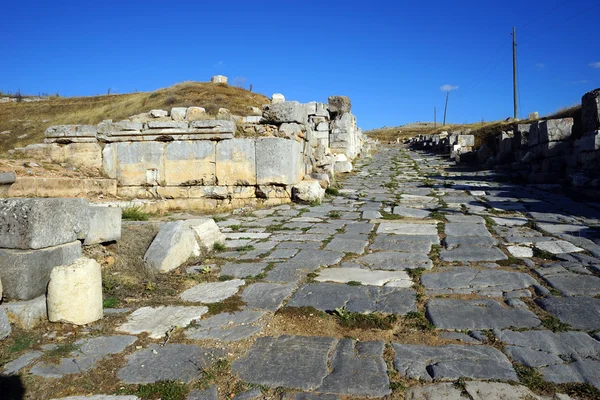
x,y
190,163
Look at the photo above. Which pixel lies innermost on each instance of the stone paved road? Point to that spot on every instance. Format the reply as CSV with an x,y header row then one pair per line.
x,y
489,281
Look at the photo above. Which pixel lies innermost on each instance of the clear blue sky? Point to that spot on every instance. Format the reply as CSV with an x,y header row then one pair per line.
x,y
390,57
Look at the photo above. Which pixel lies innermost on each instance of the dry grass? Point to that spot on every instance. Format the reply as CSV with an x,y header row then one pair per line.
x,y
32,119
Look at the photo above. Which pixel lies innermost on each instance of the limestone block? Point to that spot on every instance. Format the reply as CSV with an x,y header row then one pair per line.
x,y
213,126
278,161
6,178
287,111
343,137
168,126
589,142
25,273
219,79
252,119
339,104
138,163
342,167
109,160
533,115
290,130
44,152
159,113
555,130
243,192
207,232
26,314
88,155
172,246
178,113
105,225
590,111
75,292
277,98
5,329
190,163
308,191
38,223
466,140
211,192
72,131
236,162
323,179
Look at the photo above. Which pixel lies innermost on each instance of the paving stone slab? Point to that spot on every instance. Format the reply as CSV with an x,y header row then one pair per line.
x,y
520,251
157,321
212,292
365,277
228,327
452,242
396,260
465,280
362,299
478,314
463,337
298,362
180,362
512,221
301,264
401,244
254,393
580,371
451,362
502,391
25,360
579,312
407,229
282,254
242,270
472,254
466,229
471,219
267,296
347,245
574,284
210,393
410,212
558,247
99,397
439,391
358,369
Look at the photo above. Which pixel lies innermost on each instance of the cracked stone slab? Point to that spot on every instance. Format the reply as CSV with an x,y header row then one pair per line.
x,y
558,247
298,362
466,229
451,362
242,270
365,277
267,296
401,244
473,254
347,245
181,362
513,221
581,371
411,212
362,299
574,284
465,280
87,354
358,369
478,314
228,327
408,229
395,261
212,292
159,320
579,312
304,262
26,359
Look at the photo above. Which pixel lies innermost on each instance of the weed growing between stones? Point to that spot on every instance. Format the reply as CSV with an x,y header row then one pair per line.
x,y
510,261
135,214
110,302
533,379
332,191
543,254
390,216
417,320
438,215
334,214
304,311
415,273
229,305
247,247
60,351
397,385
354,320
353,283
555,325
164,390
219,247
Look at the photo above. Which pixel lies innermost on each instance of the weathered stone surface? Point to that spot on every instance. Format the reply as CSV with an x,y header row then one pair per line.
x,y
88,352
362,299
188,163
579,312
40,223
410,212
178,113
574,284
403,243
297,362
581,371
75,292
159,113
236,162
590,111
6,178
172,246
251,394
25,273
228,327
339,104
342,167
471,280
273,167
452,362
242,270
26,314
502,391
195,113
217,126
212,292
99,397
207,232
477,314
407,229
135,163
179,362
473,254
558,247
365,277
26,359
207,394
219,79
396,260
5,328
358,369
105,225
439,391
286,111
520,251
355,246
157,321
308,191
267,296
302,263
277,98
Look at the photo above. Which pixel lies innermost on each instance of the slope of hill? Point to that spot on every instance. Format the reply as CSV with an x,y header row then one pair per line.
x,y
24,123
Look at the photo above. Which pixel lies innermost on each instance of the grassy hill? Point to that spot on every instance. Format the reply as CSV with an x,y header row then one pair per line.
x,y
27,122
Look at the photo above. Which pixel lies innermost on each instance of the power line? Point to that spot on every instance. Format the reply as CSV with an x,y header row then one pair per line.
x,y
545,14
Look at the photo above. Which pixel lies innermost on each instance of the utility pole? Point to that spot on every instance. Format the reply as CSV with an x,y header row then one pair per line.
x,y
434,118
446,107
514,35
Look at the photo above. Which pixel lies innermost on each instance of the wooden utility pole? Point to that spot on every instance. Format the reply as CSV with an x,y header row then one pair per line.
x,y
446,107
434,118
514,35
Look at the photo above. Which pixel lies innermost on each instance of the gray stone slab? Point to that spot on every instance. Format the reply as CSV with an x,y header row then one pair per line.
x,y
466,229
396,228
207,394
439,391
5,329
581,371
400,244
347,245
358,369
267,296
451,362
473,254
299,245
301,264
251,394
297,362
25,360
179,362
396,260
212,292
26,314
452,242
410,212
461,218
471,280
579,312
365,277
242,270
462,337
503,391
574,284
362,299
228,327
104,226
478,314
157,321
360,228
281,254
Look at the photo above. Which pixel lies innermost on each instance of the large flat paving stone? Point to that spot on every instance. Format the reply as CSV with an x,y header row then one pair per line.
x,y
580,371
365,277
452,242
87,354
357,369
228,327
466,229
411,212
267,296
298,362
362,299
407,229
242,270
473,254
301,264
354,246
574,284
157,321
558,247
451,362
26,359
99,397
465,280
180,362
212,292
395,261
478,314
579,312
400,243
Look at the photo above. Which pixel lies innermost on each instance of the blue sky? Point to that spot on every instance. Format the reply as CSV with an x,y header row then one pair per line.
x,y
390,57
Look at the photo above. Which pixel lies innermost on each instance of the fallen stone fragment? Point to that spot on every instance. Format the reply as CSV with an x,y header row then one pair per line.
x,y
157,321
212,292
26,314
172,246
308,192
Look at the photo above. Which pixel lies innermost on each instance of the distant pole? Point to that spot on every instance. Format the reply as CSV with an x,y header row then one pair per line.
x,y
514,35
434,118
446,108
